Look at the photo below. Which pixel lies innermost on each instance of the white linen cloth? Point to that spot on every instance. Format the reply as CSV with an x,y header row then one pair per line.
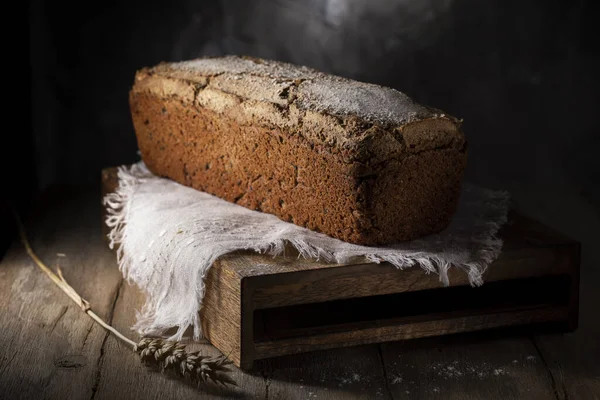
x,y
169,235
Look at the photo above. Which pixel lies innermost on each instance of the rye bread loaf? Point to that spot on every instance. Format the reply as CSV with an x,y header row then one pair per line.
x,y
356,161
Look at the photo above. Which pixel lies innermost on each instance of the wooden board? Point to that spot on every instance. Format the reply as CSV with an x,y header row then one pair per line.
x,y
45,339
259,306
75,359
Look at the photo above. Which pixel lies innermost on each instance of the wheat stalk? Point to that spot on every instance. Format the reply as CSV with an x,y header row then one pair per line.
x,y
168,356
171,357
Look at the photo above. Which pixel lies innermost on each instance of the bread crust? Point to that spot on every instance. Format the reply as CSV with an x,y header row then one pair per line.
x,y
271,137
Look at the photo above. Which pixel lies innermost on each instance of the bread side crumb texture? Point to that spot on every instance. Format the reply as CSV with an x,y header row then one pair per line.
x,y
356,161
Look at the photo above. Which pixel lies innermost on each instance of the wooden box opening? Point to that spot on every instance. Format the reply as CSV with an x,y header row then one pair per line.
x,y
405,308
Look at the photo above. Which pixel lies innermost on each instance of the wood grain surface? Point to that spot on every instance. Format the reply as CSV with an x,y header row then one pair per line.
x,y
50,350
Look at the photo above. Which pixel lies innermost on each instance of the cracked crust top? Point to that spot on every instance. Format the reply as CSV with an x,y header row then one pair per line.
x,y
326,109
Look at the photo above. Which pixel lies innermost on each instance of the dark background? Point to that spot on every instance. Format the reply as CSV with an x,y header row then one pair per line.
x,y
522,75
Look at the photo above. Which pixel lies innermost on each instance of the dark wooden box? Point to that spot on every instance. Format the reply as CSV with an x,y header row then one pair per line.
x,y
259,306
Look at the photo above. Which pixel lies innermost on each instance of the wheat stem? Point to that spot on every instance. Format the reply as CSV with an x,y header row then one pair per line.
x,y
62,283
167,355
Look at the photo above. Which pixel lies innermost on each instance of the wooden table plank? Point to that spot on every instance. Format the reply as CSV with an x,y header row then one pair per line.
x,y
344,373
124,377
573,362
572,359
48,347
466,367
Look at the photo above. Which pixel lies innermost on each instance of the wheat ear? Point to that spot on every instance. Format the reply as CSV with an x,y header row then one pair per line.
x,y
168,356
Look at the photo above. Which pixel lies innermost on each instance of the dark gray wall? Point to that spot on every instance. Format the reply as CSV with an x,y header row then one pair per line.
x,y
522,74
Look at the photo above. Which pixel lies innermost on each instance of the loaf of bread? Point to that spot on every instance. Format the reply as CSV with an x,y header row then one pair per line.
x,y
356,161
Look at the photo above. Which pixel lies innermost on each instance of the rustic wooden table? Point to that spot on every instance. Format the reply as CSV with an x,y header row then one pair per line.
x,y
50,349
